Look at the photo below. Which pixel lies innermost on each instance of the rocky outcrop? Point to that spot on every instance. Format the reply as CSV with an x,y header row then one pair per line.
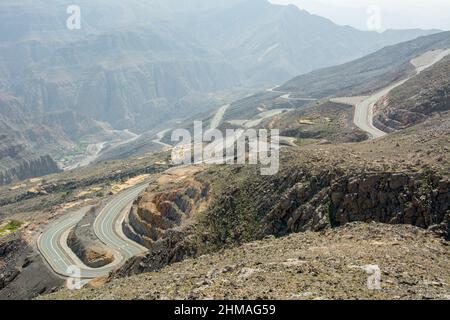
x,y
395,199
7,248
159,215
174,247
19,163
416,199
85,244
23,273
164,220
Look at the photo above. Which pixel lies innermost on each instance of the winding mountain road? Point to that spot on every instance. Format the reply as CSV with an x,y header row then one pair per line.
x,y
287,96
218,117
52,243
108,225
159,137
364,106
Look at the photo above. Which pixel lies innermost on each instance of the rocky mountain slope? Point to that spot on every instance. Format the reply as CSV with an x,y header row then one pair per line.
x,y
86,246
272,43
319,186
310,266
211,230
138,65
19,162
400,179
367,74
416,100
26,209
23,273
305,111
49,132
311,207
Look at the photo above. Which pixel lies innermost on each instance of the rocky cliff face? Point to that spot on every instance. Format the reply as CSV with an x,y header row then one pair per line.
x,y
19,163
163,219
157,215
22,267
85,244
419,200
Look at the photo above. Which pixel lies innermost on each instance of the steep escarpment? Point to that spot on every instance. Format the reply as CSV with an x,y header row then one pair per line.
x,y
22,267
164,217
86,245
421,200
18,162
424,95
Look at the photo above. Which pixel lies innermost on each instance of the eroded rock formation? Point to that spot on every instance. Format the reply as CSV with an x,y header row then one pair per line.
x,y
85,244
416,199
19,163
158,213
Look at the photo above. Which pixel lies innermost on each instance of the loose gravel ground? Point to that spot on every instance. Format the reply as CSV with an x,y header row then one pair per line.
x,y
414,264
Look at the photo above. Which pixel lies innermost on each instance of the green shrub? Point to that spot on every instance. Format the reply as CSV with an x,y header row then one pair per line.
x,y
11,227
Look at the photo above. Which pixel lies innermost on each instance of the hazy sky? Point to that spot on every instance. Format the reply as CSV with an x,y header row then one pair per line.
x,y
394,14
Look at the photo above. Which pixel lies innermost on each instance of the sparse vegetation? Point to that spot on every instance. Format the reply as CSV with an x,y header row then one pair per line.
x,y
11,227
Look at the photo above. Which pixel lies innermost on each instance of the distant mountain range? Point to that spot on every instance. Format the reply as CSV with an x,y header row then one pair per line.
x,y
135,65
366,74
359,77
272,43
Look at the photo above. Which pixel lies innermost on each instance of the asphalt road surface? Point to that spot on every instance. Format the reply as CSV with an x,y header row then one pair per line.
x,y
53,242
364,109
